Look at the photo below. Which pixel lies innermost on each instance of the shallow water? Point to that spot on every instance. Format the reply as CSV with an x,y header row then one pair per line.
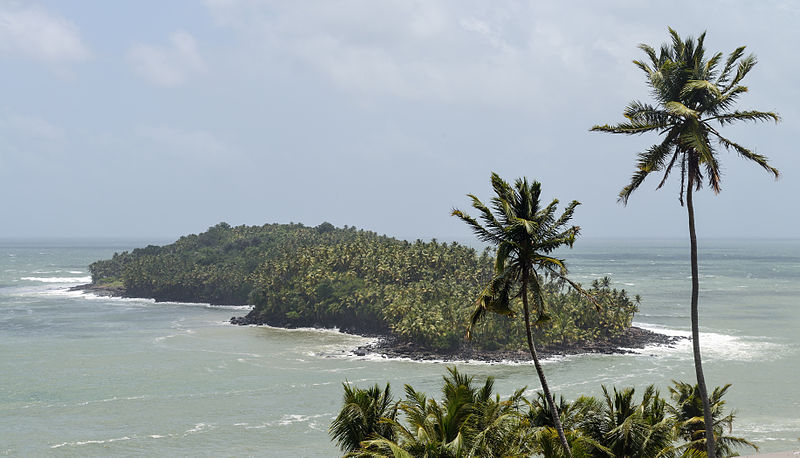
x,y
87,376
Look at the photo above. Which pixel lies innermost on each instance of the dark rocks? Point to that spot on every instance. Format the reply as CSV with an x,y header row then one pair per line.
x,y
242,320
633,338
101,290
390,346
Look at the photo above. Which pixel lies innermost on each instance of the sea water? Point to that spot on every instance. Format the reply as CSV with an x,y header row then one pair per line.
x,y
82,375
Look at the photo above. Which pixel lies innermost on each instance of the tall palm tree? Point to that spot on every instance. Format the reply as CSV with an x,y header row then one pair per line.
x,y
525,233
694,97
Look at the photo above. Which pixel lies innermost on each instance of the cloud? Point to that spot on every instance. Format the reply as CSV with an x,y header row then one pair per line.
x,y
35,33
168,65
507,53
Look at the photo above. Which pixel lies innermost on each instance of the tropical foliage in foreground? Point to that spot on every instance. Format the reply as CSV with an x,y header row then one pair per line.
x,y
471,420
355,280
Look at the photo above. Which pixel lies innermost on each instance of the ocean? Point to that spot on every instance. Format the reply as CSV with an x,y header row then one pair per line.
x,y
82,375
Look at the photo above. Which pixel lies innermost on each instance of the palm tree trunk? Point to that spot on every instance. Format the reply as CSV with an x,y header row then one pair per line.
x,y
539,370
698,365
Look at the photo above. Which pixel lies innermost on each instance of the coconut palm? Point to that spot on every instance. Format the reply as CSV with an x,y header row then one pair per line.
x,y
525,233
574,416
688,415
468,422
630,429
694,97
362,416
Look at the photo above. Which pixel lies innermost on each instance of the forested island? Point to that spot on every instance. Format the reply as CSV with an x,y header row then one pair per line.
x,y
417,295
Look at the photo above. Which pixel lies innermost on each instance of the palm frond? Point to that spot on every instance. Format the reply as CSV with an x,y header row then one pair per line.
x,y
745,65
477,229
748,154
729,64
693,86
628,128
750,115
676,108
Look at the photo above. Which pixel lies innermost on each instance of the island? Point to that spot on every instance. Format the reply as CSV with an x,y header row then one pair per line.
x,y
415,296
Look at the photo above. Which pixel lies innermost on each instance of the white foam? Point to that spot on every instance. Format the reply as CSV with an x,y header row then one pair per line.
x,y
90,295
469,362
199,427
292,418
88,442
76,280
716,346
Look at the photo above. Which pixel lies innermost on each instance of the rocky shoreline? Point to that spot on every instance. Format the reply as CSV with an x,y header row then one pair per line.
x,y
634,338
100,290
388,346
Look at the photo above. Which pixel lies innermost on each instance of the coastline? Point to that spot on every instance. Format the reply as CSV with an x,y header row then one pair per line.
x,y
389,346
634,338
100,290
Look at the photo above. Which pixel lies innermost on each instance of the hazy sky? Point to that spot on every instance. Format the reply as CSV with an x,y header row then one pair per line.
x,y
156,119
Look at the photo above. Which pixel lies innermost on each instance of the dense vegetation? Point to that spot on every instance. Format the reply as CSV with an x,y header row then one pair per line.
x,y
472,421
355,280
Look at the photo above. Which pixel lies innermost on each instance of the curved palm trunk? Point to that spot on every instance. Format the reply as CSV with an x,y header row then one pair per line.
x,y
539,370
698,365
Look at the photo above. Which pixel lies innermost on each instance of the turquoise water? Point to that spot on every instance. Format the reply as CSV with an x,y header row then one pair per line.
x,y
87,376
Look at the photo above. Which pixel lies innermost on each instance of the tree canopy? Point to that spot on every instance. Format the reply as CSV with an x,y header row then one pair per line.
x,y
352,279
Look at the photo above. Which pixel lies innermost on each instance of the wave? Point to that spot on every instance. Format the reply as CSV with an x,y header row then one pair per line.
x,y
75,280
89,295
374,357
716,346
88,442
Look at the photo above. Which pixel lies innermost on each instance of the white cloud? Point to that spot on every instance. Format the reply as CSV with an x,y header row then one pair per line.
x,y
168,65
35,33
506,53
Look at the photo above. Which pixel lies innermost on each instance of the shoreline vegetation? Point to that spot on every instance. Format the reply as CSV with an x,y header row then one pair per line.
x,y
416,298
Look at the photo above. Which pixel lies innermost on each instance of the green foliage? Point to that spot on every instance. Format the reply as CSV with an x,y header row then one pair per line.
x,y
352,279
469,421
694,97
572,318
690,425
472,421
361,415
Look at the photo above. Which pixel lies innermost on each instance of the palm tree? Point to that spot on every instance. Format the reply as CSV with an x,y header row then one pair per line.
x,y
574,417
692,96
468,422
630,429
525,233
688,415
363,416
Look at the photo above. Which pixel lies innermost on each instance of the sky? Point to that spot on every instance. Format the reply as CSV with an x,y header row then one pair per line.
x,y
158,119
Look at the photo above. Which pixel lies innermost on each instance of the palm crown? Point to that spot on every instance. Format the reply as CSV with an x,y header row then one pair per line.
x,y
693,98
525,233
